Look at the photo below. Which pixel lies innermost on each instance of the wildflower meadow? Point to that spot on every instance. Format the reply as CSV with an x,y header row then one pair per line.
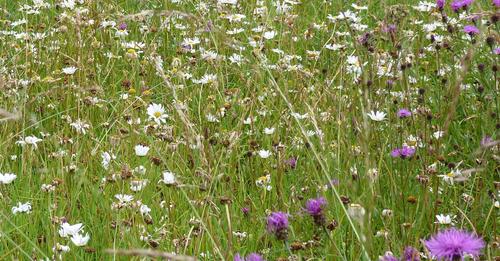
x,y
249,130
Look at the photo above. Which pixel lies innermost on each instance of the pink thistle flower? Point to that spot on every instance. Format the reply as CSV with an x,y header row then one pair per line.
x,y
459,4
277,224
403,113
250,257
122,26
404,152
453,244
314,208
440,4
410,254
471,29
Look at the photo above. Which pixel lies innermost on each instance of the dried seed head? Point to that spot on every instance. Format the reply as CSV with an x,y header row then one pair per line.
x,y
411,199
332,225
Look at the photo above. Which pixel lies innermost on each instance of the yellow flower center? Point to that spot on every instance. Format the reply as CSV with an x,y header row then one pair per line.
x,y
157,114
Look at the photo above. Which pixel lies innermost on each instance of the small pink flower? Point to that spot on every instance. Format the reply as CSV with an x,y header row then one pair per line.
x,y
403,113
471,29
404,152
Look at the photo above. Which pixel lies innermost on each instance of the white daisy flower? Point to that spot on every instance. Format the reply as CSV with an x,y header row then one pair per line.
x,y
191,41
377,115
80,126
7,178
30,140
249,120
124,198
60,248
156,112
229,2
106,159
438,135
211,118
141,150
69,230
264,154
69,70
269,35
168,178
334,47
22,208
444,220
80,240
144,209
269,131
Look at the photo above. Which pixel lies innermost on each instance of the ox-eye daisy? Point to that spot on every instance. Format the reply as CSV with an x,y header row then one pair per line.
x,y
141,150
377,115
69,70
7,178
156,112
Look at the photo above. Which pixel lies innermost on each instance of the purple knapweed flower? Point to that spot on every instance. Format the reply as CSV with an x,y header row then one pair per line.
x,y
314,208
496,3
186,47
410,254
254,257
250,257
245,211
363,40
456,5
333,182
403,113
471,30
404,152
390,28
291,162
440,4
497,51
277,224
459,4
453,244
122,26
389,83
487,141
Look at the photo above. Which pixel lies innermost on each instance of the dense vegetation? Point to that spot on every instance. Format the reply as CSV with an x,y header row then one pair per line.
x,y
212,129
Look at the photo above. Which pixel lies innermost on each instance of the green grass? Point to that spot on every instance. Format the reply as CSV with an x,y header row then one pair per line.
x,y
197,217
